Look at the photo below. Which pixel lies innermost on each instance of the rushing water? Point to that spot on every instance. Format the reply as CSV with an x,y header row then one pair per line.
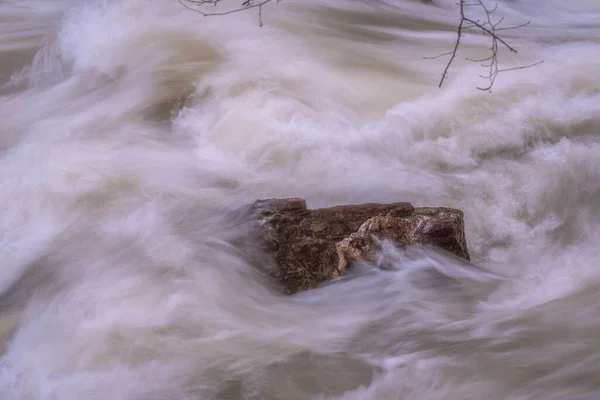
x,y
128,128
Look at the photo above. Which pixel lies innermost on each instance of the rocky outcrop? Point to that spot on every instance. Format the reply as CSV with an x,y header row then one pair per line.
x,y
309,247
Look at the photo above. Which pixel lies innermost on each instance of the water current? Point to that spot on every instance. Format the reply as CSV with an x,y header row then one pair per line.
x,y
129,129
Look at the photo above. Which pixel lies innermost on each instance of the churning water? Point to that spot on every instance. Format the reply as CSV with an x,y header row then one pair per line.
x,y
128,128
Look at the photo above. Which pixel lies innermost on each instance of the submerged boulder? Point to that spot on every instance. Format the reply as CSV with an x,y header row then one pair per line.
x,y
309,247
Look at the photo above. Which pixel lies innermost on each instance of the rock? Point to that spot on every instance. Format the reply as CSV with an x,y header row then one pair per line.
x,y
309,247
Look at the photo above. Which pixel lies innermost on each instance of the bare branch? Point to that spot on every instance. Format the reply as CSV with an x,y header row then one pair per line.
x,y
488,28
246,5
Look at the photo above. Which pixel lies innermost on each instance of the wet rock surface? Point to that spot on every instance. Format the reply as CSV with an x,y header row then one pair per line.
x,y
310,247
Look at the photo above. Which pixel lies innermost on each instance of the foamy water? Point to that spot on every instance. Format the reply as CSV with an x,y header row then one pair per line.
x,y
129,128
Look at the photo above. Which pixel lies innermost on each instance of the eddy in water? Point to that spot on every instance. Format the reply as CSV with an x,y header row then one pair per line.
x,y
128,129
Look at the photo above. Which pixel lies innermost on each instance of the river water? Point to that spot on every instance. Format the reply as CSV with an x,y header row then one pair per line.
x,y
130,129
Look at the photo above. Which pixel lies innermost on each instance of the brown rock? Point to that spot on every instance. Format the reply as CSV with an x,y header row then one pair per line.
x,y
310,247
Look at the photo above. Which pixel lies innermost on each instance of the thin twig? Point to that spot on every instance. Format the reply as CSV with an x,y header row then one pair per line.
x,y
455,50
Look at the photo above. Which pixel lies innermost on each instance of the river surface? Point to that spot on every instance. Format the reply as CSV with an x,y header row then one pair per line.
x,y
130,129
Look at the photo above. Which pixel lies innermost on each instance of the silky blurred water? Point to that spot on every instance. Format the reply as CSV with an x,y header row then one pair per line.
x,y
128,129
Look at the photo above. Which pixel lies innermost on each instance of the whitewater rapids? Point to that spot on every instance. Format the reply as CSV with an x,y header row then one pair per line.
x,y
130,129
